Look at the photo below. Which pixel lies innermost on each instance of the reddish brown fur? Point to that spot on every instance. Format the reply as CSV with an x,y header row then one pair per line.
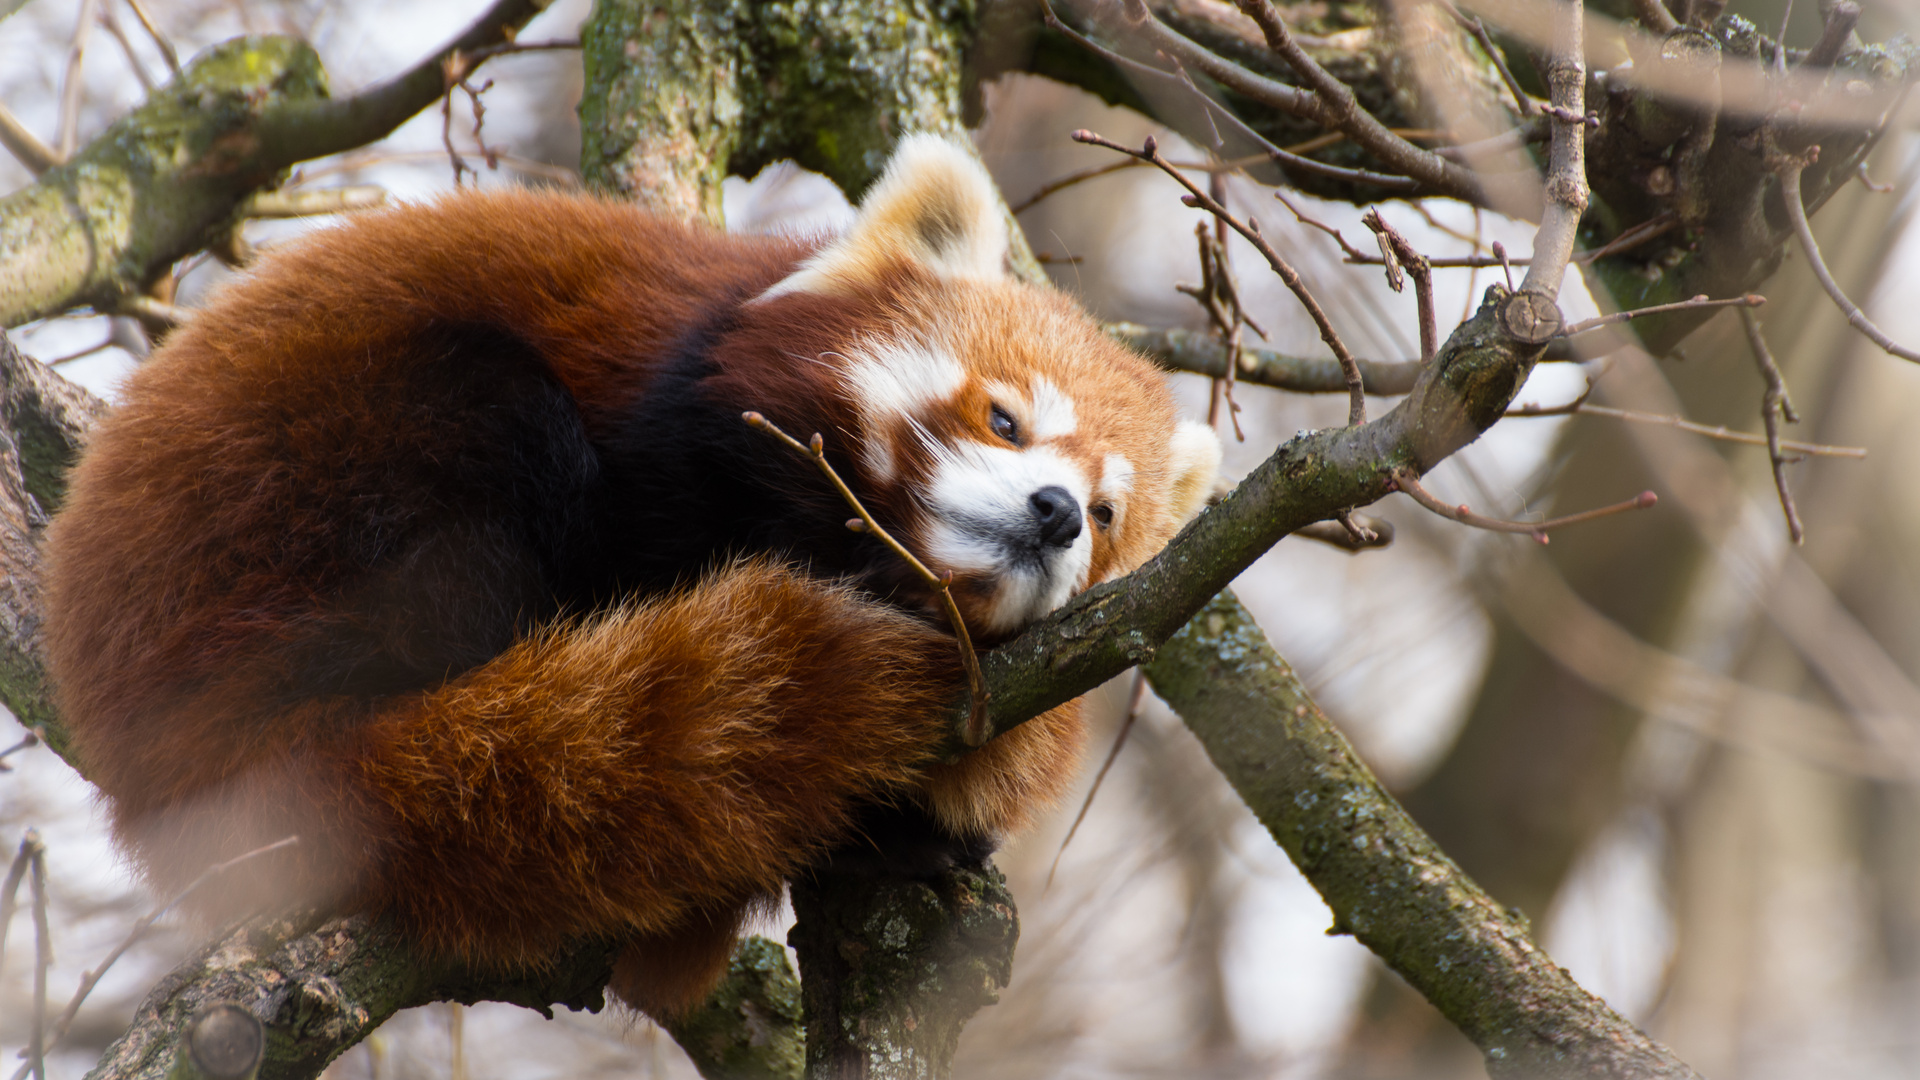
x,y
651,770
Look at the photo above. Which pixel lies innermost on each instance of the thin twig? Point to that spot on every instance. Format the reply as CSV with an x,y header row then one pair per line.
x,y
113,27
1406,481
308,202
1150,151
71,86
1400,254
1535,129
815,448
159,39
473,57
10,889
25,146
1343,112
42,960
30,739
1658,225
1218,113
1353,254
1473,26
1867,181
1505,264
1750,300
1126,728
1580,407
1775,406
1350,532
1219,296
90,979
1797,214
146,307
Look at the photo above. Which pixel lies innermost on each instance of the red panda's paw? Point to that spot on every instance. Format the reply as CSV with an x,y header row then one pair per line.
x,y
999,789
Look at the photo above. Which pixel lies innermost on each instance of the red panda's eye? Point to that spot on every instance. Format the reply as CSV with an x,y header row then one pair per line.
x,y
1102,515
1004,426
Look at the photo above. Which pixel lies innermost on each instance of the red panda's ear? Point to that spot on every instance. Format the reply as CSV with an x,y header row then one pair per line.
x,y
1193,461
935,206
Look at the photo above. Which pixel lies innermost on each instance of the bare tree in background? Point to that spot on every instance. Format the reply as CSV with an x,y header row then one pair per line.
x,y
1670,153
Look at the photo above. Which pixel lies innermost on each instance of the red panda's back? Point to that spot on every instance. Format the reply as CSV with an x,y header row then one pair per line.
x,y
302,464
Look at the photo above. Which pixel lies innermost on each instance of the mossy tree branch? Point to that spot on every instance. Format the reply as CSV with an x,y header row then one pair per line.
x,y
1387,883
167,179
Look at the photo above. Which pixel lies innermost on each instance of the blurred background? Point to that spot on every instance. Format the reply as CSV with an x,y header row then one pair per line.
x,y
1686,749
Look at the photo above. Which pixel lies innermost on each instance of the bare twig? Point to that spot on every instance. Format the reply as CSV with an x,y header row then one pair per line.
x,y
159,39
1350,532
473,57
1797,214
71,86
1522,100
1406,481
282,203
90,979
42,960
976,731
1219,296
1658,225
1340,110
25,146
1775,406
1218,113
1867,181
1071,179
27,741
146,307
1400,254
1126,728
455,69
1581,407
1357,408
10,889
113,27
1750,300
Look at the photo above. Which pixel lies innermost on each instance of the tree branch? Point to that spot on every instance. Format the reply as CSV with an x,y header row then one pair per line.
x,y
165,180
1387,883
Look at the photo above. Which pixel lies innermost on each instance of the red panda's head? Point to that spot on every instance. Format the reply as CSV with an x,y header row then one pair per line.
x,y
1004,435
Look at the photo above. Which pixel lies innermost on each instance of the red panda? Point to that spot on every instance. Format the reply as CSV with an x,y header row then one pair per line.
x,y
439,541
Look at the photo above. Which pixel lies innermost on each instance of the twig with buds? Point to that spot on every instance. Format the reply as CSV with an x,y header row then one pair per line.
x,y
975,732
1405,480
1250,230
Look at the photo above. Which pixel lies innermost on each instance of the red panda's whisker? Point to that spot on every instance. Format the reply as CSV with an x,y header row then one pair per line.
x,y
974,732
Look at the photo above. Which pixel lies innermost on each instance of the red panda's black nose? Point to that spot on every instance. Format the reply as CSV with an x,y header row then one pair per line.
x,y
1056,513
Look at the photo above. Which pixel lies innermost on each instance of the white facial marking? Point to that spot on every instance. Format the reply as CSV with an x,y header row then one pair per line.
x,y
980,504
892,380
1117,479
1052,411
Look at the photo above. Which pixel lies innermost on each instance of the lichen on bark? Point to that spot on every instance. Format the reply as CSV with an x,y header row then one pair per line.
x,y
682,95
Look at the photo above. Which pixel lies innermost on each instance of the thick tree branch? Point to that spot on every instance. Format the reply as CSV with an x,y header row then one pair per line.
x,y
165,180
1387,883
320,989
894,967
